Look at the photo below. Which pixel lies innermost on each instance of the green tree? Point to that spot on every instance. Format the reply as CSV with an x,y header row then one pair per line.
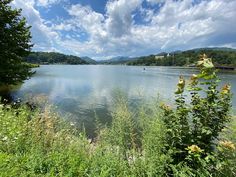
x,y
14,45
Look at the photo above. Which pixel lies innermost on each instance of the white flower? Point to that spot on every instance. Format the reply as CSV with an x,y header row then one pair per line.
x,y
5,138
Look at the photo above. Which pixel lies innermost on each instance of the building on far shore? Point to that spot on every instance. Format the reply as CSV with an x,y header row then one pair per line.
x,y
159,57
162,56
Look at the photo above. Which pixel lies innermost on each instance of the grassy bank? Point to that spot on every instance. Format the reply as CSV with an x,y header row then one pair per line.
x,y
39,143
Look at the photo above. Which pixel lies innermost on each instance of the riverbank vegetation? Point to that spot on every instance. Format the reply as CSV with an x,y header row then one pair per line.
x,y
188,139
222,57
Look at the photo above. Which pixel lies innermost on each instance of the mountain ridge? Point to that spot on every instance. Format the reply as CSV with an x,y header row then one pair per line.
x,y
59,58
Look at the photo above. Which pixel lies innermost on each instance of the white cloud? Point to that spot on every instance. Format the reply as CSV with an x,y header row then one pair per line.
x,y
43,37
206,19
119,21
46,3
63,27
85,18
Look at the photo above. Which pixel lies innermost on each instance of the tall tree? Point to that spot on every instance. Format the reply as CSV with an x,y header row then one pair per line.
x,y
14,45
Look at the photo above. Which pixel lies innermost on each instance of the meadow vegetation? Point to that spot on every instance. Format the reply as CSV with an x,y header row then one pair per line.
x,y
187,139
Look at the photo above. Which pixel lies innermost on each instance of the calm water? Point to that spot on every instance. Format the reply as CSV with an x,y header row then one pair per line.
x,y
85,91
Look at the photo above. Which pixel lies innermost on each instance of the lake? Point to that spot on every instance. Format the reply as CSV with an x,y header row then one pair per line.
x,y
84,92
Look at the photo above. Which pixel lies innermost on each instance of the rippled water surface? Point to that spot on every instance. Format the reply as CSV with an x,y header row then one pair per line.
x,y
85,91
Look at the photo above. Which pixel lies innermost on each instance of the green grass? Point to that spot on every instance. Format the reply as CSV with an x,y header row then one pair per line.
x,y
40,143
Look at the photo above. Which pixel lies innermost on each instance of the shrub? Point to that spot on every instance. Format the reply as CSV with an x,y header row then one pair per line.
x,y
193,130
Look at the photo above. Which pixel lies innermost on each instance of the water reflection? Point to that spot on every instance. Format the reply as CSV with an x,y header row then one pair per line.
x,y
84,92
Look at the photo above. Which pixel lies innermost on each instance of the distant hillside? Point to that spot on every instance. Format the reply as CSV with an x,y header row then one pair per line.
x,y
116,60
216,49
220,56
54,58
89,60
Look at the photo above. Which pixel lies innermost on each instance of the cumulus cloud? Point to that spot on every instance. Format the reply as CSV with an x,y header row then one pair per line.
x,y
173,25
190,22
119,13
85,18
46,3
43,36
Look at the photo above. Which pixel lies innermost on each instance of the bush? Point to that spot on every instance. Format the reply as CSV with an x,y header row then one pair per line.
x,y
193,130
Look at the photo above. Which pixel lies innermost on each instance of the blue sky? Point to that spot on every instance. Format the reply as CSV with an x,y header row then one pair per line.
x,y
102,29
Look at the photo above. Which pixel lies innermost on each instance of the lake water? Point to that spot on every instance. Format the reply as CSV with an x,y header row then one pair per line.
x,y
85,91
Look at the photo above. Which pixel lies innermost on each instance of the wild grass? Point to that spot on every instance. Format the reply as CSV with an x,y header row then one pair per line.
x,y
39,143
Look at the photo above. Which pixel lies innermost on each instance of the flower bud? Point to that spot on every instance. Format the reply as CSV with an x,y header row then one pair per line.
x,y
225,89
180,85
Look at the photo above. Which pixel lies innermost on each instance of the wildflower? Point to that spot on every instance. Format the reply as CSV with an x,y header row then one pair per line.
x,y
165,107
205,62
228,145
194,80
225,89
194,149
5,138
180,85
90,141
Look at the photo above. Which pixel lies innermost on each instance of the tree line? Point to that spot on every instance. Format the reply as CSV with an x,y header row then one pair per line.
x,y
53,58
224,57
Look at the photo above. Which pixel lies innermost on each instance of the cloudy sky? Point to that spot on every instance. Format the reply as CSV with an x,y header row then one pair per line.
x,y
103,29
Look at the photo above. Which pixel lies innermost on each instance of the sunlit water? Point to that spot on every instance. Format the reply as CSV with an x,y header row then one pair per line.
x,y
84,92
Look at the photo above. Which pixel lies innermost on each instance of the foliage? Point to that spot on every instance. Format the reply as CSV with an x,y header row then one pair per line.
x,y
221,57
195,139
14,45
53,57
39,144
193,130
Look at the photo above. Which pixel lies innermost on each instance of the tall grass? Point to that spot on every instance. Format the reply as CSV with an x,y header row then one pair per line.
x,y
39,143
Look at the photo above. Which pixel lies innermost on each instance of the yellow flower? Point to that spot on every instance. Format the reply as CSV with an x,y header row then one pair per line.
x,y
228,145
194,79
180,85
194,148
225,89
201,60
205,62
165,107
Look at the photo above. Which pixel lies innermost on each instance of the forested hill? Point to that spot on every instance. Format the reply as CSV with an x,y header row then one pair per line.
x,y
54,58
220,56
89,60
